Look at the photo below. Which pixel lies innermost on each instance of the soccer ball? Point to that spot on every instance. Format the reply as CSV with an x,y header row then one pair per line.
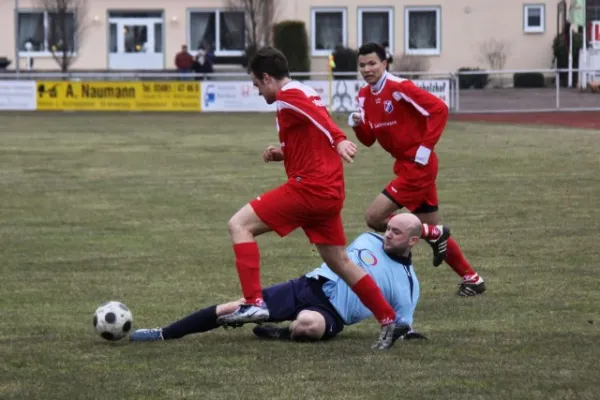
x,y
113,320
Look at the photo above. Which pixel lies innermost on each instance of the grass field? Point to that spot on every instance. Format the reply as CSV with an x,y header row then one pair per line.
x,y
97,207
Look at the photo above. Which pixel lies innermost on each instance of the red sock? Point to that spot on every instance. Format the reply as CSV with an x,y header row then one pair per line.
x,y
370,295
430,232
247,262
457,261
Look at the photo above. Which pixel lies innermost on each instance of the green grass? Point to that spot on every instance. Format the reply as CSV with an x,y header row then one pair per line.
x,y
128,207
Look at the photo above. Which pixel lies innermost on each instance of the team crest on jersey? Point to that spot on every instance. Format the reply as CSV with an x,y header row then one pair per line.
x,y
388,106
367,257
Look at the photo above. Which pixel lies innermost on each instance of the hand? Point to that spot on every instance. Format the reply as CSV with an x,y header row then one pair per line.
x,y
354,119
347,150
272,153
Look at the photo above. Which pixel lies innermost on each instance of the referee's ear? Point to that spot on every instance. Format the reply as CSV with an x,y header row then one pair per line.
x,y
413,240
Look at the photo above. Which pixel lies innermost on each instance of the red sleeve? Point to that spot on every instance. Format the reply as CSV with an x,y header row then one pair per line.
x,y
434,109
363,131
313,110
364,134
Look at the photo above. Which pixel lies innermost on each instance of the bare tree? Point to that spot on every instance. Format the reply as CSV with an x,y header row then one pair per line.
x,y
494,53
260,16
66,29
405,63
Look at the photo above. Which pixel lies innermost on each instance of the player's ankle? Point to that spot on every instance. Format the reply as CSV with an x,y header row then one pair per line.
x,y
431,232
472,277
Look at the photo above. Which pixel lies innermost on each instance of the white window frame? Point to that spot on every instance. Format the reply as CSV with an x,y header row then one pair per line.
x,y
438,24
44,53
389,11
313,20
534,29
216,50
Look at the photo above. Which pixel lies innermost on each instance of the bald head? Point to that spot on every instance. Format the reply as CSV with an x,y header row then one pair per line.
x,y
403,232
408,223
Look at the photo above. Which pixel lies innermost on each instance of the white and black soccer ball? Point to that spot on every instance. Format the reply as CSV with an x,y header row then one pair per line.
x,y
113,320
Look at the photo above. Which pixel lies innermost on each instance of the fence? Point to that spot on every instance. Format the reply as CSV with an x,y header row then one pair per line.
x,y
464,92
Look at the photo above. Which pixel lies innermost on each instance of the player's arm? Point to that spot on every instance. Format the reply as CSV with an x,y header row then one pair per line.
x,y
314,111
431,107
359,123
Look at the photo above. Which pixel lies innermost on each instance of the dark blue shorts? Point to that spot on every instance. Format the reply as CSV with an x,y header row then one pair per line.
x,y
286,300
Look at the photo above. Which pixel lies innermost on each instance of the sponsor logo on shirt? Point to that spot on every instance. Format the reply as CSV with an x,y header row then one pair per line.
x,y
367,257
385,124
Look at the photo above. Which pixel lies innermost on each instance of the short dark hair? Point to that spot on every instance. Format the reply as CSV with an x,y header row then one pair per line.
x,y
369,48
269,60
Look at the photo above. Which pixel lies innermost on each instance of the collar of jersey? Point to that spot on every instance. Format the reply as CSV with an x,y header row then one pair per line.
x,y
377,87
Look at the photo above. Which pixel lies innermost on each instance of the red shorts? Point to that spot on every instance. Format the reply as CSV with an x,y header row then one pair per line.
x,y
288,207
415,199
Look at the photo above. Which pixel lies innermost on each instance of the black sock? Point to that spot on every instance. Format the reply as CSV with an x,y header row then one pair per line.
x,y
200,321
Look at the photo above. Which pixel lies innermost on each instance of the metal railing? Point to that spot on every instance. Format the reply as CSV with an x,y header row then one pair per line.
x,y
498,96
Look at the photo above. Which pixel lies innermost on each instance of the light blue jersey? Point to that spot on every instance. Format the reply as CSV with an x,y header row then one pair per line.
x,y
395,276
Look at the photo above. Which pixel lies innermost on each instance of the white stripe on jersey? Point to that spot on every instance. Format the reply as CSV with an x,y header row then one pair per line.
x,y
282,105
399,96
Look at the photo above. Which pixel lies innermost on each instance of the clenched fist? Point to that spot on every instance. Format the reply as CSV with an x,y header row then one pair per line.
x,y
272,153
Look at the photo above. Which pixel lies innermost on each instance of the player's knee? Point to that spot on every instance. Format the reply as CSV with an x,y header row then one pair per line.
x,y
335,257
306,333
307,327
235,226
374,220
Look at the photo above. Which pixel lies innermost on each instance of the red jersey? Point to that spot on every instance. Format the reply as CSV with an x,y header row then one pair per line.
x,y
309,140
403,118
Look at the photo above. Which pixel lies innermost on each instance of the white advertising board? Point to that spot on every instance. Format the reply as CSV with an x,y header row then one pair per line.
x,y
232,96
243,96
344,92
17,95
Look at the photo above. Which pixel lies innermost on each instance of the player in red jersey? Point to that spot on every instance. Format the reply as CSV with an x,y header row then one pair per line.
x,y
407,121
312,148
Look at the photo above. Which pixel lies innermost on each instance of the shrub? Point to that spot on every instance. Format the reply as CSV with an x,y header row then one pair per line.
x,y
529,80
560,50
346,60
478,81
291,39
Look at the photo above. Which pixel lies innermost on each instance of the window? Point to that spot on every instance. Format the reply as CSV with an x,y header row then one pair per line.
x,y
422,31
43,32
223,31
375,25
328,30
533,18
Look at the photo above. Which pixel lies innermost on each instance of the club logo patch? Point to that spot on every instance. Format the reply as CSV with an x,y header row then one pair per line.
x,y
367,257
388,106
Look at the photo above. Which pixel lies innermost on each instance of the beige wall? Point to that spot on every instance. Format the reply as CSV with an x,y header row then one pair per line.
x,y
464,25
94,51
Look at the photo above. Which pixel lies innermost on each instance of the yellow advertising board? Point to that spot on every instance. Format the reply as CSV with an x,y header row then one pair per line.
x,y
118,96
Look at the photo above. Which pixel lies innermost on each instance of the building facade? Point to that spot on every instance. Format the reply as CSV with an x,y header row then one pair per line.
x,y
147,34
